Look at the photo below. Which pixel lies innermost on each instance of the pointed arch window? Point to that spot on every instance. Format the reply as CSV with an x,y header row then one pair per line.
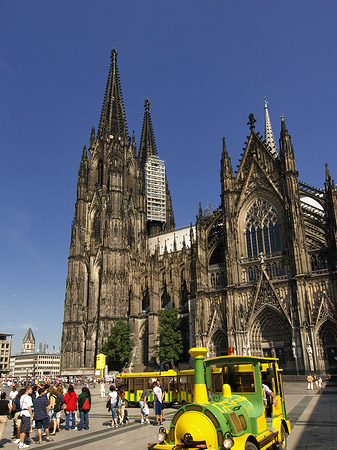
x,y
96,227
262,229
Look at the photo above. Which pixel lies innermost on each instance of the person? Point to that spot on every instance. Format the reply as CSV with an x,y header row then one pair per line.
x,y
102,389
42,407
121,408
52,413
12,396
26,405
316,380
113,403
58,408
84,405
267,393
144,407
70,399
320,381
5,408
17,412
158,394
310,380
162,404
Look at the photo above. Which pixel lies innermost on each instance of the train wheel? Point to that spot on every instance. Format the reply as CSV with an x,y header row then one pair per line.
x,y
282,444
250,446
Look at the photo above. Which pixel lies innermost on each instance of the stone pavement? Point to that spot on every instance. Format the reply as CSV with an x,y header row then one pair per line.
x,y
313,417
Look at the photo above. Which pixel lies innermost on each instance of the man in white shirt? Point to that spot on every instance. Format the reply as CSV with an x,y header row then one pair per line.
x,y
26,404
267,392
158,403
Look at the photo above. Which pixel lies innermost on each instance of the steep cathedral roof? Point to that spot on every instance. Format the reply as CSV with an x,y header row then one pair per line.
x,y
29,337
113,121
269,136
147,142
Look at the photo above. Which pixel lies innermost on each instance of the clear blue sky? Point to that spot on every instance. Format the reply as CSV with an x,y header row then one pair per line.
x,y
204,66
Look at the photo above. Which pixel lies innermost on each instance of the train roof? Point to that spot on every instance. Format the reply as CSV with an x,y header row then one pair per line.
x,y
241,358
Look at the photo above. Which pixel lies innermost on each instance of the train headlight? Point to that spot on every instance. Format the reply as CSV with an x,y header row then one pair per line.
x,y
161,435
188,438
228,442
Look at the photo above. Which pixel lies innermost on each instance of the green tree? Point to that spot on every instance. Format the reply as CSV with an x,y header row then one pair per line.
x,y
118,346
169,347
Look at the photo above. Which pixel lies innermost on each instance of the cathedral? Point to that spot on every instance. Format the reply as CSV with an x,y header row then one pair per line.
x,y
256,274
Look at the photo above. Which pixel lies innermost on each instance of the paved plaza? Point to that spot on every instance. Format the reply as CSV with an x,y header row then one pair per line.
x,y
312,415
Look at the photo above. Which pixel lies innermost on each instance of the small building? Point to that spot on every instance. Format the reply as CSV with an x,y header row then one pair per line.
x,y
30,364
5,352
36,365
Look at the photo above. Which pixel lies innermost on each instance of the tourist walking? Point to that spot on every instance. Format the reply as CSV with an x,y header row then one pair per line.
x,y
70,399
5,409
113,404
102,389
84,405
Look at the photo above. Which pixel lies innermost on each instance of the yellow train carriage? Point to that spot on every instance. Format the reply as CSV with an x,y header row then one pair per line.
x,y
134,384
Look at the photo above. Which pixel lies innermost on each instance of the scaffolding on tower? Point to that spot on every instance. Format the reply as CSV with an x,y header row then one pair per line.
x,y
155,188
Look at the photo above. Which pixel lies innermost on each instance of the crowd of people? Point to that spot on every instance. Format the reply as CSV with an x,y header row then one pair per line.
x,y
42,407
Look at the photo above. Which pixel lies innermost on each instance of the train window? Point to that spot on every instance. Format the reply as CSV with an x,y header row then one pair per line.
x,y
240,377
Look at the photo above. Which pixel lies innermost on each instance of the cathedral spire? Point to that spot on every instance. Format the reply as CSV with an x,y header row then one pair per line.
x,y
147,145
113,120
269,136
226,168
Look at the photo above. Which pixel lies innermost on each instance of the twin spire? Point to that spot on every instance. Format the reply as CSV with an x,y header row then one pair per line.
x,y
269,136
113,121
147,142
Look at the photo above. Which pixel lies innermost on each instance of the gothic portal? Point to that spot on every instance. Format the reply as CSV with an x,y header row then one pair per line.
x,y
258,273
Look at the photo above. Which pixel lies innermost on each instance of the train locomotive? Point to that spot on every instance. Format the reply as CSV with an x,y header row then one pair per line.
x,y
231,407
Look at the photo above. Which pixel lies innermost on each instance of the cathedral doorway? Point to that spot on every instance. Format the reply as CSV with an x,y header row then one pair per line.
x,y
219,344
328,344
270,336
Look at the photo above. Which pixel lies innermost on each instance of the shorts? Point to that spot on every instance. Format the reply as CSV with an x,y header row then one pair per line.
x,y
17,419
144,409
39,423
158,408
58,414
25,424
52,414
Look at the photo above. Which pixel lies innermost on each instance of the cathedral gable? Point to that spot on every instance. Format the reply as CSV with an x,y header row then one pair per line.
x,y
326,310
257,181
266,295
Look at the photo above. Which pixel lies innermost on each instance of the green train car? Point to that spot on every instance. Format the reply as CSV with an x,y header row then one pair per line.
x,y
228,409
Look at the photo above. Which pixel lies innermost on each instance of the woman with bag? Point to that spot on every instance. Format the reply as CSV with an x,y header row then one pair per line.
x,y
84,405
5,412
113,403
58,408
70,399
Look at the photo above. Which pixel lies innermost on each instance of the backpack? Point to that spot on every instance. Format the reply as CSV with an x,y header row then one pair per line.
x,y
86,404
58,404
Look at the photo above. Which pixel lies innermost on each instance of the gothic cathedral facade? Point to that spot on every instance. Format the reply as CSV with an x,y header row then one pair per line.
x,y
256,274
